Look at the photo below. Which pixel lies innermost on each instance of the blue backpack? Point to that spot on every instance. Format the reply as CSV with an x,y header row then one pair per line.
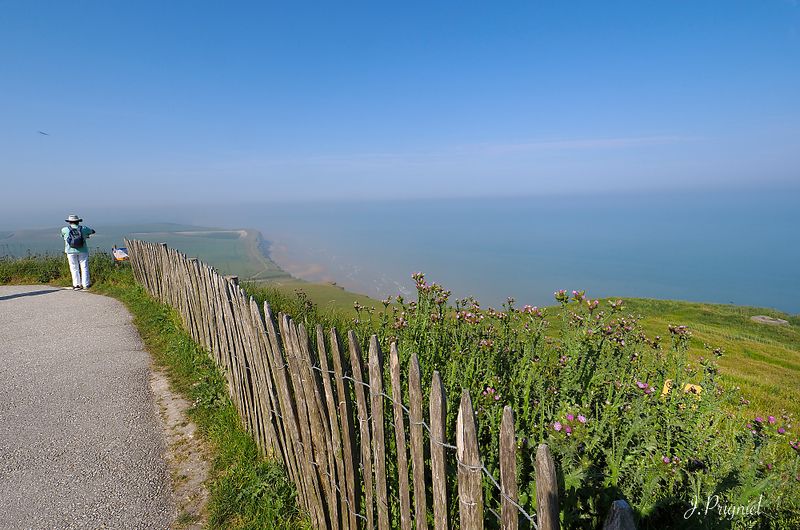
x,y
75,237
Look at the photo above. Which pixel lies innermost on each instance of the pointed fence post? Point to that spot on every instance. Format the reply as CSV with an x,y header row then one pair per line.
x,y
546,490
470,491
400,438
508,471
438,413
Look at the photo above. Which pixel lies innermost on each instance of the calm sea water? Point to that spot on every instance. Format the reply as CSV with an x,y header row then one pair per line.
x,y
741,248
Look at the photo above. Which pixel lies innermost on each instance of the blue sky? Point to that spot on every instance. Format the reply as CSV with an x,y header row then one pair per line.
x,y
196,102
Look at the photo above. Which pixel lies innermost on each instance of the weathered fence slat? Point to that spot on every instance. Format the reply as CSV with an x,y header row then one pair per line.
x,y
508,471
438,415
378,436
363,424
400,438
417,445
320,434
287,408
336,469
267,391
306,445
349,449
546,490
470,493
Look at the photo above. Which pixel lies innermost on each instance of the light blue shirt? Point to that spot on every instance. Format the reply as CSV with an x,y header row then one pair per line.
x,y
85,230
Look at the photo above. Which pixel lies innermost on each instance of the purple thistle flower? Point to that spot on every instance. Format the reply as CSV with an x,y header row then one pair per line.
x,y
557,426
771,419
641,385
570,417
581,418
568,430
781,430
759,419
665,459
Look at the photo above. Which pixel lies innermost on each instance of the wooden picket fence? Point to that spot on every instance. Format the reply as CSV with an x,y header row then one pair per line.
x,y
322,414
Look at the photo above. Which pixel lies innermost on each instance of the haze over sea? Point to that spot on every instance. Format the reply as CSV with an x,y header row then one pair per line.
x,y
726,247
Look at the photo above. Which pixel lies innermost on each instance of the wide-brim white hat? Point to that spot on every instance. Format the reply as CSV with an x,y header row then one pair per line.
x,y
73,219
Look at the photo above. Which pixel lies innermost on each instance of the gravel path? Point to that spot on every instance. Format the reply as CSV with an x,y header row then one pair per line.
x,y
81,442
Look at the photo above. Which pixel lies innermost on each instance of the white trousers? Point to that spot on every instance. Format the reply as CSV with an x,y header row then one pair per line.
x,y
79,267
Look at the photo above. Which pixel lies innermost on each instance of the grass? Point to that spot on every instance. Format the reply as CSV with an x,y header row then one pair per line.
x,y
763,360
326,296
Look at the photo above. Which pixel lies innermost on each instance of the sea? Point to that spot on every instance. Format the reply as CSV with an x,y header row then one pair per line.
x,y
732,247
724,247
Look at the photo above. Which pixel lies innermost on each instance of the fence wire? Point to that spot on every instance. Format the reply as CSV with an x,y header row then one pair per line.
x,y
157,286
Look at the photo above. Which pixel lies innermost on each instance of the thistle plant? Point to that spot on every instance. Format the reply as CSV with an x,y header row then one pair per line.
x,y
626,415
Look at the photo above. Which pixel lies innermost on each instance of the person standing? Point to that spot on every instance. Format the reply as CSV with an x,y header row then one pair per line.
x,y
77,250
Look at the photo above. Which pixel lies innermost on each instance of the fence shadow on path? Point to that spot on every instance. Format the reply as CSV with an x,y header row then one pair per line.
x,y
28,293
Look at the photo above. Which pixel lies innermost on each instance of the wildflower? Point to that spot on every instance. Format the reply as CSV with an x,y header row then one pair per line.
x,y
570,417
781,430
678,330
759,419
665,459
581,418
568,430
557,426
771,419
769,467
641,385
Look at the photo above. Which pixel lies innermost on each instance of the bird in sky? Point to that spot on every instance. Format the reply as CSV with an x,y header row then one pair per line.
x,y
44,133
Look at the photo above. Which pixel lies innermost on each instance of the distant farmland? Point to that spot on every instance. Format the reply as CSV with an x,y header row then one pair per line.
x,y
239,252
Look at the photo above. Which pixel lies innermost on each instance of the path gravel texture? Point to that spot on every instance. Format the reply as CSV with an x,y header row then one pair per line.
x,y
81,442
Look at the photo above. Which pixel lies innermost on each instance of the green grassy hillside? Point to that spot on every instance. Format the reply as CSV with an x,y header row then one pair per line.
x,y
764,360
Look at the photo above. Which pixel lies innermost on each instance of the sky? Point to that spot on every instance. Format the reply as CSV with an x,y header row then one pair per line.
x,y
180,103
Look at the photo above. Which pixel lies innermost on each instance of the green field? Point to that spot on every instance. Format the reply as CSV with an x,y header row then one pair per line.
x,y
236,252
